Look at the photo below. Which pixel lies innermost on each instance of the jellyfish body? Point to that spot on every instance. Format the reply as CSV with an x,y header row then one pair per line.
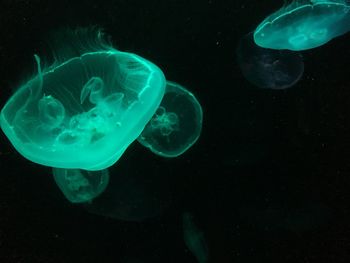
x,y
268,68
135,192
176,125
84,111
304,24
194,238
80,186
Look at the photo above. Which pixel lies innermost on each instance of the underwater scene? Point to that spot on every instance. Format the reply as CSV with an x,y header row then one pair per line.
x,y
206,131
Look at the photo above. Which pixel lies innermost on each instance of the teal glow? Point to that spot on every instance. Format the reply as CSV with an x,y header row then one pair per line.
x,y
139,188
80,186
84,110
177,124
304,24
194,238
269,68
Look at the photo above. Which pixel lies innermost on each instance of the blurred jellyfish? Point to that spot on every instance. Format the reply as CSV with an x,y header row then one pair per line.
x,y
176,125
135,192
194,238
83,111
304,24
80,186
268,68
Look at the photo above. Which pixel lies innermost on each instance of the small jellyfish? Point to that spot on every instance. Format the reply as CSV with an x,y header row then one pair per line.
x,y
176,125
80,186
194,238
135,192
304,24
268,68
84,110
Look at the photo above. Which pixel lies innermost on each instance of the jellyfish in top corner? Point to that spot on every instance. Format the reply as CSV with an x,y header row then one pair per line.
x,y
80,186
84,110
269,68
304,24
176,125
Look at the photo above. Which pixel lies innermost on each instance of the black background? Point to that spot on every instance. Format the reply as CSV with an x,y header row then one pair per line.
x,y
267,181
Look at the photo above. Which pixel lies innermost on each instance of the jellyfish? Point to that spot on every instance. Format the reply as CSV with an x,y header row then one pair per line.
x,y
304,24
268,68
135,193
80,186
84,110
194,238
176,125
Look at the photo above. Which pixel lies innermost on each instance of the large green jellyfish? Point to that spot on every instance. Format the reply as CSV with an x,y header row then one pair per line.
x,y
84,110
304,24
176,125
80,186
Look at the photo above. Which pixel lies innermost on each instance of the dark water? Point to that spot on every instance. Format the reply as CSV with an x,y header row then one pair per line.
x,y
268,180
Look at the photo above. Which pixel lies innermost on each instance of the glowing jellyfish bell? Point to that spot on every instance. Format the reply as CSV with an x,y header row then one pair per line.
x,y
304,24
80,186
268,68
176,125
84,110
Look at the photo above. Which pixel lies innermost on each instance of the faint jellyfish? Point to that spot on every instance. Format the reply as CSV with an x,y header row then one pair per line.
x,y
135,192
194,238
80,186
84,110
176,125
304,24
268,68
